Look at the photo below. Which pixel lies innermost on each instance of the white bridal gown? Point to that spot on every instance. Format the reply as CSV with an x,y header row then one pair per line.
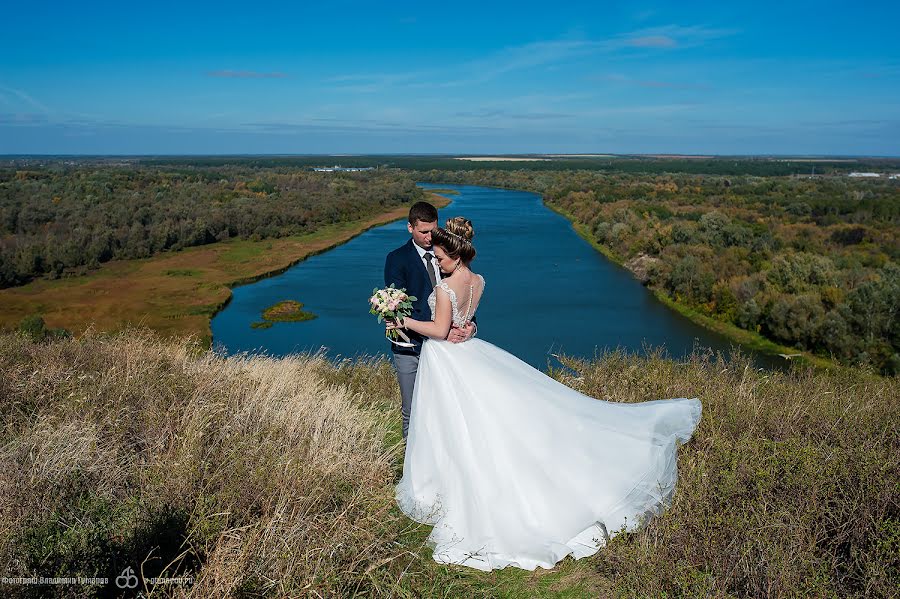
x,y
515,469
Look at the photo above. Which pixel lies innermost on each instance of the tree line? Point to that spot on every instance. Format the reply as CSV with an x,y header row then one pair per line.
x,y
812,263
64,220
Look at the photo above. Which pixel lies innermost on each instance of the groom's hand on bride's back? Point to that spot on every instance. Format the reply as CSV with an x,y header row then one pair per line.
x,y
458,335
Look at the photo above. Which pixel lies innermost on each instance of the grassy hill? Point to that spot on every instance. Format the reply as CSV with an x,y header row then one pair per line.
x,y
257,476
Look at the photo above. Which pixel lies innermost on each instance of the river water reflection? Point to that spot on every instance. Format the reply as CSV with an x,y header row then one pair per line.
x,y
548,291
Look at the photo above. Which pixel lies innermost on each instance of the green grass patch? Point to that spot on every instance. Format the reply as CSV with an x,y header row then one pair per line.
x,y
182,272
205,310
243,251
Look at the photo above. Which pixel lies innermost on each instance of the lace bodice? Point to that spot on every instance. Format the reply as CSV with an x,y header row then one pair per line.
x,y
458,319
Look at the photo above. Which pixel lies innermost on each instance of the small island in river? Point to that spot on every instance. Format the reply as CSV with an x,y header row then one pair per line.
x,y
285,311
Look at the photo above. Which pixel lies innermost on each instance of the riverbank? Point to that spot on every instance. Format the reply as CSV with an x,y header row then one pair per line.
x,y
731,332
175,294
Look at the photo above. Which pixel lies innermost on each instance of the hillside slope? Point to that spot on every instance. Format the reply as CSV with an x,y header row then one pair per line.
x,y
257,476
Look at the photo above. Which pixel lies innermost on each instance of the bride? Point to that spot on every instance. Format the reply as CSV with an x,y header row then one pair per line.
x,y
510,466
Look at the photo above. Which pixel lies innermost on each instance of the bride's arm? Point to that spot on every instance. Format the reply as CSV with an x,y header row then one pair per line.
x,y
441,325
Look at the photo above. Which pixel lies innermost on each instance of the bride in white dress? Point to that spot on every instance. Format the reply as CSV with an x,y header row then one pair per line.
x,y
510,466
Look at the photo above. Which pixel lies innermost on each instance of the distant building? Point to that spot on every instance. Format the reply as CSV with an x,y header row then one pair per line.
x,y
342,169
865,175
894,176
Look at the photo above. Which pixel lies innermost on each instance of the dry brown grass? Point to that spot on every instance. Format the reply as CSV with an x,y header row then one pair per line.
x,y
273,477
790,486
279,479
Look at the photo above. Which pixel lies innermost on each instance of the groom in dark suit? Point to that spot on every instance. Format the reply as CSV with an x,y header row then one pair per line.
x,y
413,267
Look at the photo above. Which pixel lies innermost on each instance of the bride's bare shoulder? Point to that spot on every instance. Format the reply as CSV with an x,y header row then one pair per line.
x,y
472,278
460,285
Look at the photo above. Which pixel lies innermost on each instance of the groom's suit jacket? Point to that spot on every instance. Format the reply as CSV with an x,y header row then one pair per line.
x,y
405,269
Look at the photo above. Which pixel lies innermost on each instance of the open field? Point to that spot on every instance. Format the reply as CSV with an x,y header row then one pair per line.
x,y
174,293
500,159
580,155
679,156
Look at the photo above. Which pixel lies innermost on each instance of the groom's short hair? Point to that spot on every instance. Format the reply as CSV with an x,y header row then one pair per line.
x,y
424,212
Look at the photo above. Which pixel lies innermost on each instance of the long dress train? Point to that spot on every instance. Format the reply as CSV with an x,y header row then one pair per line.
x,y
514,468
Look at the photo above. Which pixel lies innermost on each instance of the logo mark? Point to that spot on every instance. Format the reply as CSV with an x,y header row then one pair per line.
x,y
127,579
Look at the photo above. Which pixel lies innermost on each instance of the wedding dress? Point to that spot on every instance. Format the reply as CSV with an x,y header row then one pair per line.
x,y
513,468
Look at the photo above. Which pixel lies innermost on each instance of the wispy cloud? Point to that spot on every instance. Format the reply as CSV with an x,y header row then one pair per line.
x,y
642,109
557,51
533,55
246,75
875,71
650,83
522,116
369,83
653,41
544,53
22,119
364,126
507,60
673,36
25,97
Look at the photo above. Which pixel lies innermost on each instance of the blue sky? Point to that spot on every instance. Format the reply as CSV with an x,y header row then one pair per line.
x,y
488,77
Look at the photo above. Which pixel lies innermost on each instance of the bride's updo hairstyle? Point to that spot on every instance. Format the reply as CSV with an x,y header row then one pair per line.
x,y
456,239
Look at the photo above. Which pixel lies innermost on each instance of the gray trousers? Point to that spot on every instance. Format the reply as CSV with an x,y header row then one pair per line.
x,y
406,367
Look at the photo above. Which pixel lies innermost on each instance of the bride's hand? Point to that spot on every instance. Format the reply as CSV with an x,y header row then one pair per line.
x,y
394,324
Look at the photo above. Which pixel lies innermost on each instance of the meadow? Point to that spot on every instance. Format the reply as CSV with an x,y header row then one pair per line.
x,y
254,476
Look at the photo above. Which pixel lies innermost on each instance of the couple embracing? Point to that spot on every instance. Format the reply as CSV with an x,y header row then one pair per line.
x,y
511,467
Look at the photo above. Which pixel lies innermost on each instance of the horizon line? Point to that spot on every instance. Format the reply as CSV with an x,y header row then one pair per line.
x,y
581,155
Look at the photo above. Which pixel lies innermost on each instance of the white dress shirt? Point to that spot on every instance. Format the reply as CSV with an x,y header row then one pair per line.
x,y
434,261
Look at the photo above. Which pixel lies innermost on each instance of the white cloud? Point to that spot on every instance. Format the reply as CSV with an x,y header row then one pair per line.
x,y
544,53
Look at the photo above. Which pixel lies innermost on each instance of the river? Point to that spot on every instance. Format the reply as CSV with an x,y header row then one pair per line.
x,y
547,292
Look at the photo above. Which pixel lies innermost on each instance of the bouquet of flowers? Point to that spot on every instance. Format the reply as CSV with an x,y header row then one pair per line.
x,y
391,304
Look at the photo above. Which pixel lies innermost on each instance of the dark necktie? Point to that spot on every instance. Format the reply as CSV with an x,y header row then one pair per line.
x,y
430,267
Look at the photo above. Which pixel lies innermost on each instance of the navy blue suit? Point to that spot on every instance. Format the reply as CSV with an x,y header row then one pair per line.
x,y
405,269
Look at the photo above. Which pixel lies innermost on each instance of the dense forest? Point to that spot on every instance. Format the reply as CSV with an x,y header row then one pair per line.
x,y
67,219
808,262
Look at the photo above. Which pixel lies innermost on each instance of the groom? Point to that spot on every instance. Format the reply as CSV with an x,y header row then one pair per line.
x,y
413,267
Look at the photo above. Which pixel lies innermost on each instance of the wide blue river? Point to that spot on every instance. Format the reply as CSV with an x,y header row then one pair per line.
x,y
547,292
